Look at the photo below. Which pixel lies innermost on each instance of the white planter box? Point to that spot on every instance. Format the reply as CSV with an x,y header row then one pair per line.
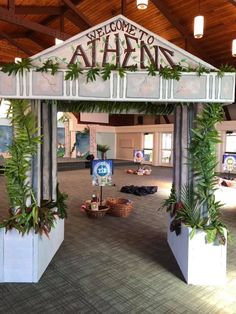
x,y
25,258
201,263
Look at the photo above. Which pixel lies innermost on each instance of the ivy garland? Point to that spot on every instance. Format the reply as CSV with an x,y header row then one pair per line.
x,y
25,217
116,107
198,207
74,70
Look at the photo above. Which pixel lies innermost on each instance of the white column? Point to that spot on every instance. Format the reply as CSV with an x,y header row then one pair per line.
x,y
92,140
48,150
36,161
67,140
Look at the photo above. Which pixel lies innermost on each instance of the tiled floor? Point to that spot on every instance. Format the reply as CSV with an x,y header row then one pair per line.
x,y
118,265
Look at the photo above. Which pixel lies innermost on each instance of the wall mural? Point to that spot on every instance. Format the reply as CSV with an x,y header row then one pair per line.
x,y
5,138
82,145
60,142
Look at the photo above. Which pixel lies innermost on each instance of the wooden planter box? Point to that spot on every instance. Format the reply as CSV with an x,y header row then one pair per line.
x,y
25,258
201,263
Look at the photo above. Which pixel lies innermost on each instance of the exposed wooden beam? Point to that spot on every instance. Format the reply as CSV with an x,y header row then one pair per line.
x,y
227,114
62,23
11,6
166,119
79,14
74,19
39,41
16,44
34,10
6,16
162,7
123,7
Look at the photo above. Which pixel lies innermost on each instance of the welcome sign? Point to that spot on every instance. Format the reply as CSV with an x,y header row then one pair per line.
x,y
121,42
122,45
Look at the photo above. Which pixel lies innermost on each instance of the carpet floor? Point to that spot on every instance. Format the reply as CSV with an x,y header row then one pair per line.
x,y
118,265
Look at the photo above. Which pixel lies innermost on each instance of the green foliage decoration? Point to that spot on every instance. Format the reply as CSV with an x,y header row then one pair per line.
x,y
92,74
15,67
22,216
102,148
197,206
149,108
74,69
49,65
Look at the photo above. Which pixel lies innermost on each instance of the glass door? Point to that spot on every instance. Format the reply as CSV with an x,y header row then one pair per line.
x,y
148,147
166,149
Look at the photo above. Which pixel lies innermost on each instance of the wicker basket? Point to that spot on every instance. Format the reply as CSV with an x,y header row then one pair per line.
x,y
119,207
97,213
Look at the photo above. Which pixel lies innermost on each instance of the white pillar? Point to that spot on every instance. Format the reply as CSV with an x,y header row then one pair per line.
x,y
67,139
49,150
92,140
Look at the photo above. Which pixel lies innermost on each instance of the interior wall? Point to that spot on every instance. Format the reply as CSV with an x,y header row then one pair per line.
x,y
130,138
107,139
126,143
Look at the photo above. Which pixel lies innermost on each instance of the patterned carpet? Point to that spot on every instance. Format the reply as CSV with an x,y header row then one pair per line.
x,y
118,265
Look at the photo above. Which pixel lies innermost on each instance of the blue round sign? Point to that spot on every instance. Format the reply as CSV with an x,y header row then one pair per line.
x,y
102,170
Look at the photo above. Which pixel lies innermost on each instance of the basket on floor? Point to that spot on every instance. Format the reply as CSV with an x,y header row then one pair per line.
x,y
101,212
119,207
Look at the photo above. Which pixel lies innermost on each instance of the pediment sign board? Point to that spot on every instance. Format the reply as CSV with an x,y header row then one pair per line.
x,y
118,41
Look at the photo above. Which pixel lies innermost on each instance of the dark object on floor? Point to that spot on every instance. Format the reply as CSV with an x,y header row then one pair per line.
x,y
139,190
224,183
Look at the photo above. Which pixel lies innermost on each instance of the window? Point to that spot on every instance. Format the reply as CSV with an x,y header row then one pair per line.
x,y
230,144
166,148
148,147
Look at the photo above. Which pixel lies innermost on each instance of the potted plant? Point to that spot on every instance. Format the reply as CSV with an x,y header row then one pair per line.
x,y
32,233
197,236
103,149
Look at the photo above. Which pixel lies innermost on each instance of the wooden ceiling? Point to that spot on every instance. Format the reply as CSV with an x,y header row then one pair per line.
x,y
28,27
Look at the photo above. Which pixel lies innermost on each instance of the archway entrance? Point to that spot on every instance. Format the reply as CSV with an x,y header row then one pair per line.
x,y
123,62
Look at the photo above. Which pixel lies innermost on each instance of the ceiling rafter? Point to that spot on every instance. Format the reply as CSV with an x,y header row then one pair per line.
x,y
123,7
67,14
79,15
162,7
12,41
6,16
35,10
11,6
74,20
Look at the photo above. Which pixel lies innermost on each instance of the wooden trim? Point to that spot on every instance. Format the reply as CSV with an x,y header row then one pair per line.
x,y
79,15
6,16
16,44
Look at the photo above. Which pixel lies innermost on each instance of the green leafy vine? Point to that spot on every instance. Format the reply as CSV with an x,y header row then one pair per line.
x,y
24,212
197,206
73,70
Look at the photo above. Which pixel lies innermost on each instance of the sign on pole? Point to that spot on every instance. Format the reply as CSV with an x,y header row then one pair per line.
x,y
102,172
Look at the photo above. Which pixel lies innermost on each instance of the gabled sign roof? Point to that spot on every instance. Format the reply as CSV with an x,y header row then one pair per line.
x,y
122,42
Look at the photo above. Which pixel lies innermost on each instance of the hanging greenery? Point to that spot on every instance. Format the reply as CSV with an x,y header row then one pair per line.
x,y
24,212
116,107
74,70
198,207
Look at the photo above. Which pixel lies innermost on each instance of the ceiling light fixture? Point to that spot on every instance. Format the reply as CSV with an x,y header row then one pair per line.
x,y
234,48
198,24
17,59
142,4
